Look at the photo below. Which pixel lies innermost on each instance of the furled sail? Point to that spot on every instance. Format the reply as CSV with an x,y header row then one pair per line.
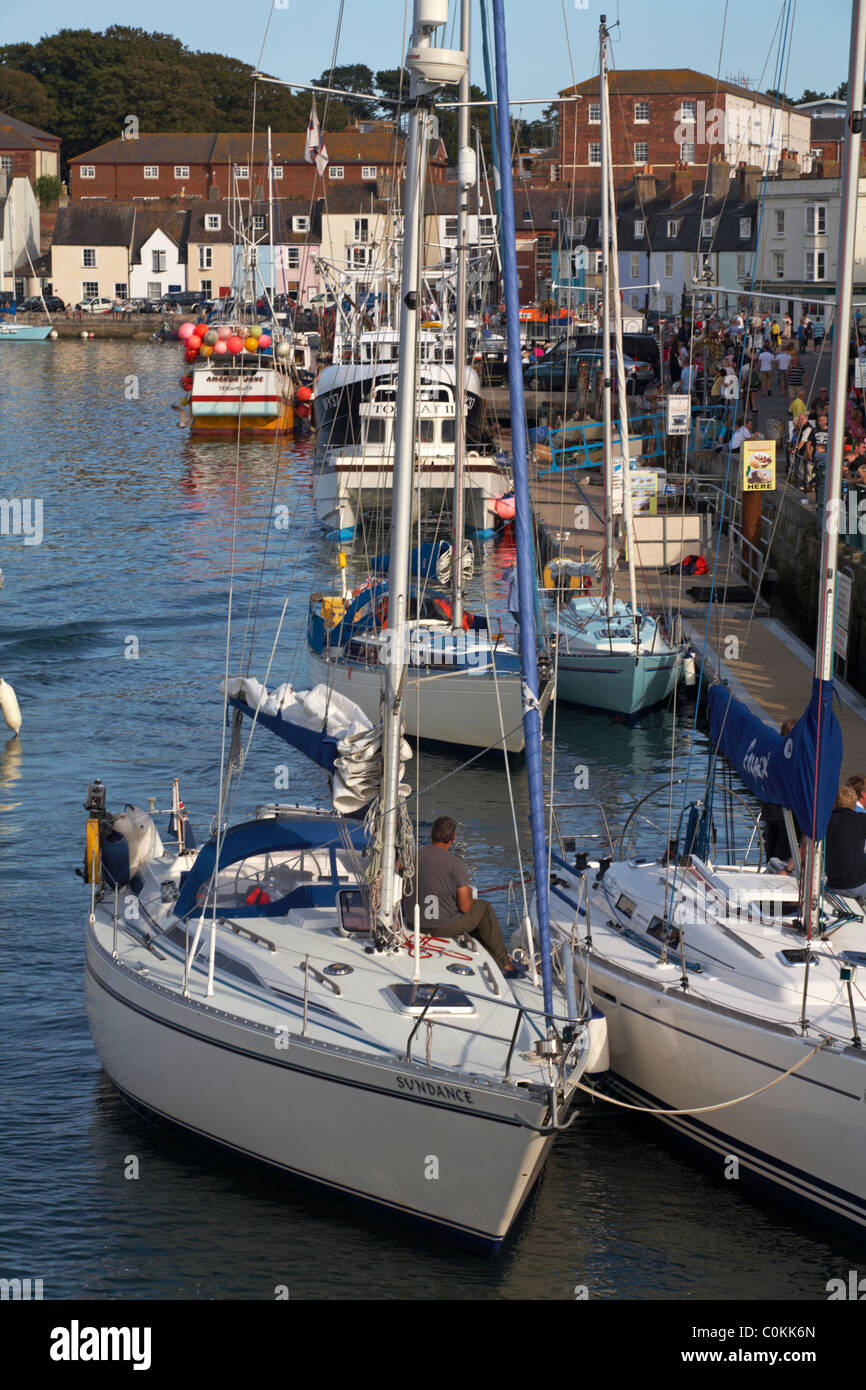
x,y
800,771
329,729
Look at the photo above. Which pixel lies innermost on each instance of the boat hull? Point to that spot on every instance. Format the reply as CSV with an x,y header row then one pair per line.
x,y
614,681
392,1136
461,709
801,1142
23,333
246,402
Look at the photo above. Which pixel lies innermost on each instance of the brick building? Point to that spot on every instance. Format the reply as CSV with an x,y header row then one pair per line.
x,y
670,116
26,152
194,165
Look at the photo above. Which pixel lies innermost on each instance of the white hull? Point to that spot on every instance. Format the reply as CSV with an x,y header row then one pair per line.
x,y
345,488
803,1140
345,1123
462,709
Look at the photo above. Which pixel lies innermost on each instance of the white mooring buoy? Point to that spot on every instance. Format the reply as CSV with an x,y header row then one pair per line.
x,y
9,706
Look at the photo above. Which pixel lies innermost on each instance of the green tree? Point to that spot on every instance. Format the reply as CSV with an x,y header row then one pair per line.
x,y
47,189
351,77
23,96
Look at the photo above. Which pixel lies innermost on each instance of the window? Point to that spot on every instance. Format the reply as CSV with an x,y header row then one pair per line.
x,y
358,256
205,257
815,265
258,222
5,164
707,226
450,228
779,264
595,152
635,267
638,229
158,260
242,171
300,224
181,171
151,171
487,228
779,224
635,301
669,303
213,221
336,171
745,228
154,289
816,219
641,152
687,152
741,265
595,113
368,171
293,257
689,112
527,215
554,214
88,171
120,291
362,229
598,262
673,227
641,112
206,289
579,225
90,289
276,171
669,266
88,257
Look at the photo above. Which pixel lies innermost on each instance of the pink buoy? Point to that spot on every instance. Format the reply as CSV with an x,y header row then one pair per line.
x,y
220,348
185,331
265,340
193,341
224,332
504,508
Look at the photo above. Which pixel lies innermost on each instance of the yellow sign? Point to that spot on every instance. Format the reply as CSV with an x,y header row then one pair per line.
x,y
759,465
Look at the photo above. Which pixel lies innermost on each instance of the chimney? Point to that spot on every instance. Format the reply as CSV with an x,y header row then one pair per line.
x,y
788,166
681,183
830,169
213,193
750,179
644,186
719,183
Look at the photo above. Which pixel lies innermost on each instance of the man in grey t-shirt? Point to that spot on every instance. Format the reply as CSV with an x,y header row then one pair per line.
x,y
447,905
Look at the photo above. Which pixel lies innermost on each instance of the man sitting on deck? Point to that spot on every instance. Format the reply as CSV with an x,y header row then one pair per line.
x,y
447,904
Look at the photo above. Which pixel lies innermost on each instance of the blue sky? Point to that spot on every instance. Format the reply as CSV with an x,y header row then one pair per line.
x,y
654,33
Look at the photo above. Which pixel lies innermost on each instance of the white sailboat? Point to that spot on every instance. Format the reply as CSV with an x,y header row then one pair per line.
x,y
733,1008
267,995
609,653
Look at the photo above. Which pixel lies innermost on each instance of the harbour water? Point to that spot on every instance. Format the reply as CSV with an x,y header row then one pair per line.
x,y
112,631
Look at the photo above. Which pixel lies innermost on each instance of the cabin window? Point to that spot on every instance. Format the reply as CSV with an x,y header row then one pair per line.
x,y
377,430
448,431
625,905
426,431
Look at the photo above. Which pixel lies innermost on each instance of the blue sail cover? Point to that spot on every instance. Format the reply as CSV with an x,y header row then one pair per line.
x,y
800,772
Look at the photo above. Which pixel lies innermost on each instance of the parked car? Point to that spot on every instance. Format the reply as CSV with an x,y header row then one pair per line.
x,y
548,372
95,306
185,301
53,303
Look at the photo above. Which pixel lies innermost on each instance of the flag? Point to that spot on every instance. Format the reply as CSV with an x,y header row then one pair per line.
x,y
314,148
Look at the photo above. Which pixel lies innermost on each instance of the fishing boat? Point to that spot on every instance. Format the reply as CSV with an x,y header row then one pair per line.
x,y
609,653
266,993
735,1017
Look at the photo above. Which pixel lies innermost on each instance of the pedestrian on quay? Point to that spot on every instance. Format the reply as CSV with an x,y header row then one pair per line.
x,y
796,377
749,379
783,362
765,363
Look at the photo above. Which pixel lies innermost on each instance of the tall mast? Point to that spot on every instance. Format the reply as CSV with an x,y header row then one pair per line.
x,y
429,68
622,402
527,585
465,179
607,385
849,185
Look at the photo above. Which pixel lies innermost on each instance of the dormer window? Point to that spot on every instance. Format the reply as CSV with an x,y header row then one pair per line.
x,y
745,228
673,227
212,221
638,229
707,227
